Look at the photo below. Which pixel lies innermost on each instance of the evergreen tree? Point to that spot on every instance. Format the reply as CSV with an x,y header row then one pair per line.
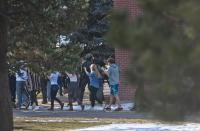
x,y
92,34
166,50
35,27
28,31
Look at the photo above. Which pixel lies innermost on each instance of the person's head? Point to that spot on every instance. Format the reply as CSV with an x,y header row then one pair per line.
x,y
93,67
111,61
88,57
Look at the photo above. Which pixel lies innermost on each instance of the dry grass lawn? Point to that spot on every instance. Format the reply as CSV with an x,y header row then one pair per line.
x,y
60,124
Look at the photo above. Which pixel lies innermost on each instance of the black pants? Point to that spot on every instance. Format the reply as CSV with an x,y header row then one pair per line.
x,y
13,93
93,95
54,91
33,98
44,93
12,84
81,89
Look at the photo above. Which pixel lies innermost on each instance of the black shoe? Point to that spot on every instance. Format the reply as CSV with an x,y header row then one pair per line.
x,y
107,108
50,109
133,108
119,109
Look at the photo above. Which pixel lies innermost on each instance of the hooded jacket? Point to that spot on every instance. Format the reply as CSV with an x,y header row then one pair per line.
x,y
113,72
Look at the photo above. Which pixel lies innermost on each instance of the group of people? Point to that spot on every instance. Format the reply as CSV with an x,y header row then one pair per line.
x,y
91,74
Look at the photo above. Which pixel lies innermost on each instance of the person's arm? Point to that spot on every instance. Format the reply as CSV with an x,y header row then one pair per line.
x,y
49,76
24,75
86,71
68,74
106,71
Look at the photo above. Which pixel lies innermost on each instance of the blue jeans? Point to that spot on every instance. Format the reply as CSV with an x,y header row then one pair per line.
x,y
93,95
48,90
20,91
54,90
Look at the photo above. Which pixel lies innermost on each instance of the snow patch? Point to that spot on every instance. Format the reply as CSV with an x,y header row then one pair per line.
x,y
145,127
97,107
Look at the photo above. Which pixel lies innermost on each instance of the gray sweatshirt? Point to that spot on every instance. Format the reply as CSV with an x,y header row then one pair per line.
x,y
113,72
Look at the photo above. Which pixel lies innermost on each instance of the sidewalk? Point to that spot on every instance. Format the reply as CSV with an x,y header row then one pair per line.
x,y
84,114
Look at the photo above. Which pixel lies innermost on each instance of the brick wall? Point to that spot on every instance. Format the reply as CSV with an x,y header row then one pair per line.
x,y
122,56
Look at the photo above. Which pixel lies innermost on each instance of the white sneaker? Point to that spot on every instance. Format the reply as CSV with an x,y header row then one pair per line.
x,y
23,107
30,108
36,108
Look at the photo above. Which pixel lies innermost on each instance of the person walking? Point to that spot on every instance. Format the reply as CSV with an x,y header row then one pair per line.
x,y
94,77
43,82
31,88
84,79
12,85
21,79
113,74
54,89
73,91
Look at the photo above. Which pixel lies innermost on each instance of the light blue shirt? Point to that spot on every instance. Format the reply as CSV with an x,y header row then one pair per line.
x,y
54,78
21,75
113,72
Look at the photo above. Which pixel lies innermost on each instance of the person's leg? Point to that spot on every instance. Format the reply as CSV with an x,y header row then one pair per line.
x,y
44,93
101,91
24,94
112,94
14,93
19,93
59,101
111,97
13,90
119,108
92,95
77,94
111,101
35,98
99,95
116,94
95,93
118,101
48,91
82,84
53,95
56,99
70,97
73,91
31,96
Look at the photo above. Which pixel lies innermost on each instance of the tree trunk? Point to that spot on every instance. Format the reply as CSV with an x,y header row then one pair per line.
x,y
6,116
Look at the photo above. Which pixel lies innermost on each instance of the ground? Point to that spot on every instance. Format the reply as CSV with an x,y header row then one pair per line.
x,y
57,120
40,119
